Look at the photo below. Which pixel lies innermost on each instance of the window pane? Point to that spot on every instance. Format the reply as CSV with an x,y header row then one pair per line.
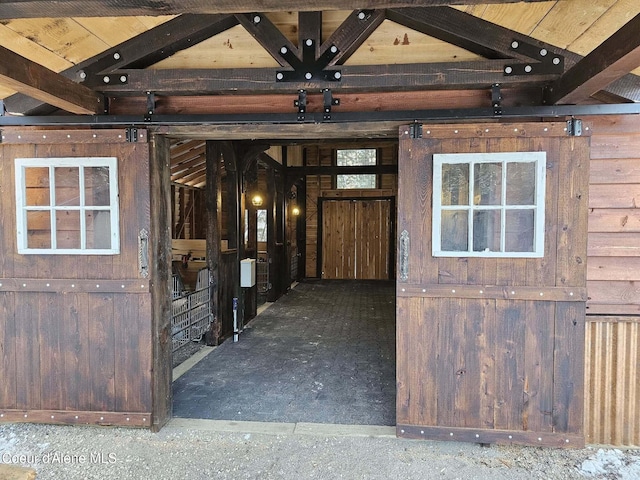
x,y
37,186
519,231
67,185
486,231
455,184
356,157
38,230
521,183
487,188
98,229
454,231
68,228
262,225
96,186
356,181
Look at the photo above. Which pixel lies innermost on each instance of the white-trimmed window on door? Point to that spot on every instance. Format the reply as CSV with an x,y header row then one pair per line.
x,y
489,204
67,205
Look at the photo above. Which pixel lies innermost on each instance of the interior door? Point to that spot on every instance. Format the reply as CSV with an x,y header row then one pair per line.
x,y
356,239
491,349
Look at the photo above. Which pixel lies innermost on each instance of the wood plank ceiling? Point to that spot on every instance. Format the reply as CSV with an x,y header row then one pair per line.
x,y
198,56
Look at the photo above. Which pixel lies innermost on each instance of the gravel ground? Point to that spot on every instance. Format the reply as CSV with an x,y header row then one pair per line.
x,y
179,452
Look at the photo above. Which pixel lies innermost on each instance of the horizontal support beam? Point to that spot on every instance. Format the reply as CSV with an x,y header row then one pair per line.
x,y
100,8
318,118
443,76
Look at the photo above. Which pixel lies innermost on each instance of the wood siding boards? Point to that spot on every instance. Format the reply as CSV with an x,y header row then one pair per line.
x,y
614,217
69,345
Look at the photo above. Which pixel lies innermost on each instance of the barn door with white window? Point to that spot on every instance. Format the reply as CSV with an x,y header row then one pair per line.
x,y
491,287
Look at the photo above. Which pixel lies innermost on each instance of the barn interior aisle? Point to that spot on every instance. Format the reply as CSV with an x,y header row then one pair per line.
x,y
323,353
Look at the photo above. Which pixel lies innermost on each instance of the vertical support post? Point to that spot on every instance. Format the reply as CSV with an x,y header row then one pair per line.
x,y
272,253
160,247
213,203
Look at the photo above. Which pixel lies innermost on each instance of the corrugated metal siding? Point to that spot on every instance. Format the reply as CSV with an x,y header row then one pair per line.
x,y
612,390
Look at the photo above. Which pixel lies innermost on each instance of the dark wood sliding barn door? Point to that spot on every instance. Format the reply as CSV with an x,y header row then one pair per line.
x,y
491,350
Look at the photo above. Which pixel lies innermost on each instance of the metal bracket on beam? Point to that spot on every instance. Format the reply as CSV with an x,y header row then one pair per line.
x,y
415,130
545,62
113,79
328,101
496,99
301,103
132,134
574,127
151,106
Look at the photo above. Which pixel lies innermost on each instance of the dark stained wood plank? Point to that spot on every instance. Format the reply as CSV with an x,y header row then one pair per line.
x,y
28,361
505,437
270,38
450,75
415,163
133,354
498,292
352,33
77,370
539,319
97,8
310,27
510,364
568,371
32,79
572,212
213,209
8,370
52,346
102,352
611,60
160,274
75,417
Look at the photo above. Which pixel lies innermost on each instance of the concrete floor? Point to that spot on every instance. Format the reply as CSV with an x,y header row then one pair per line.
x,y
324,353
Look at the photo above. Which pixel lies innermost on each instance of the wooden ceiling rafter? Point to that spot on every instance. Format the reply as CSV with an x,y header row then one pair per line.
x,y
352,33
39,82
138,52
269,37
10,9
613,59
486,39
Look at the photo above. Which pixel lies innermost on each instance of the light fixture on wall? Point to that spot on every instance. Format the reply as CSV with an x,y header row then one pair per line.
x,y
257,201
295,211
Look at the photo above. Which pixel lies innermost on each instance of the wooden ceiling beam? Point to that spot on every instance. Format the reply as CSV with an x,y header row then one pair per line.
x,y
491,40
30,78
268,36
99,8
310,26
613,59
352,33
452,75
140,51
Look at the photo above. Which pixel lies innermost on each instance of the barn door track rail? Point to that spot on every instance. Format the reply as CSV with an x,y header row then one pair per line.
x,y
457,114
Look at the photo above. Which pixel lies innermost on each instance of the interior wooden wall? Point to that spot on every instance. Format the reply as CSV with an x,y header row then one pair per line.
x,y
75,331
322,186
